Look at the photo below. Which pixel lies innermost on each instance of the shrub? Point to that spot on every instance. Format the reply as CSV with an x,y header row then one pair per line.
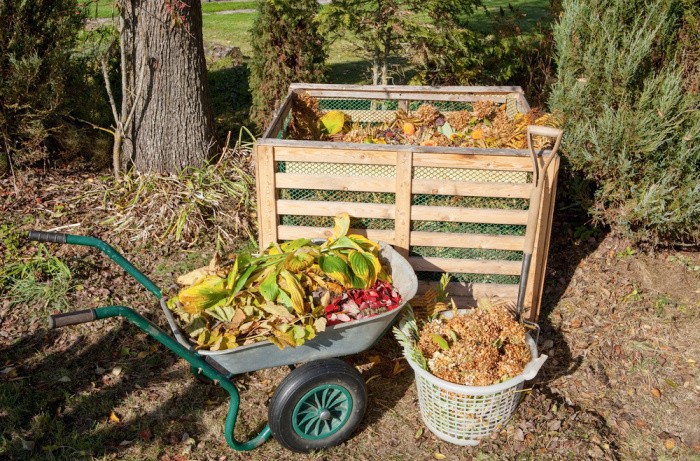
x,y
632,121
36,38
286,48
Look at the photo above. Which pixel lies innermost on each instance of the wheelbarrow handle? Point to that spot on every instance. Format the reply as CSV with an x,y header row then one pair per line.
x,y
111,253
43,236
71,318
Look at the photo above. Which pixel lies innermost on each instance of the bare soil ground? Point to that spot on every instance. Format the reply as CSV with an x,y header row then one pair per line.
x,y
621,329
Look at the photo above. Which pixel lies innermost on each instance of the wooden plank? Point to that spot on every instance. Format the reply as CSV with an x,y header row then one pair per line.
x,y
468,215
474,291
455,240
279,116
333,155
295,232
344,183
418,93
475,189
402,224
475,162
315,208
466,266
267,206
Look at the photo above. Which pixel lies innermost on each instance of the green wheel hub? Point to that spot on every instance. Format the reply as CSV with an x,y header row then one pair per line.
x,y
322,412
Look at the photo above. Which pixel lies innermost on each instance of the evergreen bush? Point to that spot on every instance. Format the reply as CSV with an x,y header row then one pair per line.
x,y
36,39
287,48
632,117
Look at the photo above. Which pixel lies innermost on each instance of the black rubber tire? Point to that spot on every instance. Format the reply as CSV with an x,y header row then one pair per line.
x,y
304,380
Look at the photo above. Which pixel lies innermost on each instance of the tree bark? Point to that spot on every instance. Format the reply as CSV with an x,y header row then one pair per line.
x,y
172,126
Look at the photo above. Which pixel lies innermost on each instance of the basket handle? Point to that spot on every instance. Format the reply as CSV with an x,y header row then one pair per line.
x,y
532,368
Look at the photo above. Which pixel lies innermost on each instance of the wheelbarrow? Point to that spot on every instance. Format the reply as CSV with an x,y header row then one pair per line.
x,y
319,404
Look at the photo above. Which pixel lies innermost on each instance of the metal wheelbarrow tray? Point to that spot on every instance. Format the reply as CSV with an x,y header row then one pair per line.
x,y
318,405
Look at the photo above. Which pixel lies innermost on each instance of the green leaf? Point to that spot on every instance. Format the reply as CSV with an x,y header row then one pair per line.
x,y
294,290
335,268
344,242
440,341
205,294
289,247
232,275
269,287
244,278
365,243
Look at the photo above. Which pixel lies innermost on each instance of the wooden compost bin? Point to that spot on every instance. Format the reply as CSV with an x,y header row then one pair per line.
x,y
447,209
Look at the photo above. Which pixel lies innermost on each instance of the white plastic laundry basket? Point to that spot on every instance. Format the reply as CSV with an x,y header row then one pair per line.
x,y
464,414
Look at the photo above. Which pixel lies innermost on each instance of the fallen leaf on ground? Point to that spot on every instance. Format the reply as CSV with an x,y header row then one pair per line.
x,y
669,444
439,456
114,418
655,392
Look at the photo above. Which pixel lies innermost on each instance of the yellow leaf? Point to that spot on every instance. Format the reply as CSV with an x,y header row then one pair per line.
x,y
114,418
375,359
295,291
397,368
364,242
439,456
342,224
205,294
320,324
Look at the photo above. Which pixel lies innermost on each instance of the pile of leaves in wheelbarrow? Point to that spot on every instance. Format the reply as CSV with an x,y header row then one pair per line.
x,y
481,347
287,294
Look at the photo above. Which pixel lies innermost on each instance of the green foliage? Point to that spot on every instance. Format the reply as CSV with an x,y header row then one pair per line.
x,y
39,282
287,48
36,38
632,125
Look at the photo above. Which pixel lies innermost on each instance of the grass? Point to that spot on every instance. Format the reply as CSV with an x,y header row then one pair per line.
x,y
105,8
41,281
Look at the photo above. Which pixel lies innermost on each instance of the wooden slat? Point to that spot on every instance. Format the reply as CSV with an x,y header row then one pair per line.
x,y
455,240
468,215
467,266
475,189
313,154
345,183
419,93
474,291
265,184
402,224
315,208
476,161
279,116
295,232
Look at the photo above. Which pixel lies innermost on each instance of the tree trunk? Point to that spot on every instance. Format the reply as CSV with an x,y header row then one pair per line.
x,y
172,126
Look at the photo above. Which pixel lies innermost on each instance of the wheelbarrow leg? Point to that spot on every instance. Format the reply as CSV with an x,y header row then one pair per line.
x,y
195,361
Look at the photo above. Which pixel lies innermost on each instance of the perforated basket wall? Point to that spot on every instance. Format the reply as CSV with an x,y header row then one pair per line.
x,y
446,209
463,415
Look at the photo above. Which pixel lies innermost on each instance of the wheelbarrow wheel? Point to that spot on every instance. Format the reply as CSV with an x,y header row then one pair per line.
x,y
318,405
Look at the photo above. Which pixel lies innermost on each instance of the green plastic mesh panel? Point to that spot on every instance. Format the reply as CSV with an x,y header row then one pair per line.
x,y
467,253
328,222
337,196
470,278
464,174
470,202
337,169
442,106
468,228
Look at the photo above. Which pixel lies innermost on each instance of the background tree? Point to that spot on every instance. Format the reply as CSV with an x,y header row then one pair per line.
x,y
165,114
286,48
36,39
633,113
387,29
